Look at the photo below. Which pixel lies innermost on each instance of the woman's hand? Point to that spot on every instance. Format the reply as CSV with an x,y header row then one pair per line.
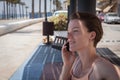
x,y
67,56
68,59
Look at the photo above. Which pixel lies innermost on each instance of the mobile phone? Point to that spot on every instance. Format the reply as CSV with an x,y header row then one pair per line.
x,y
67,44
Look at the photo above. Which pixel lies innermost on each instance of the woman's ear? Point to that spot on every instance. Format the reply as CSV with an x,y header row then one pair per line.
x,y
92,35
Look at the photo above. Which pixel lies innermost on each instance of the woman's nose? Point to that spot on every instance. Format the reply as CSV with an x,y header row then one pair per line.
x,y
70,36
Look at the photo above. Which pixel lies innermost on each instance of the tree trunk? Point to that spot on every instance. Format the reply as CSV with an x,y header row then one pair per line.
x,y
7,10
4,12
39,8
23,11
20,10
32,8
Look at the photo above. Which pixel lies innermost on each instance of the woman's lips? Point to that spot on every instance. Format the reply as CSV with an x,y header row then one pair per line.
x,y
72,43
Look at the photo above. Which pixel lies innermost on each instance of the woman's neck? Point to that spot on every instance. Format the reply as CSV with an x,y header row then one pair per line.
x,y
87,57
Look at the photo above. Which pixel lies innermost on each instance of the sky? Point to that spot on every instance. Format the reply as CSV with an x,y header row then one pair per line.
x,y
28,3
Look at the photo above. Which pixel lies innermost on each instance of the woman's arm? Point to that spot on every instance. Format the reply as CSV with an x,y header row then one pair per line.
x,y
65,74
106,70
68,60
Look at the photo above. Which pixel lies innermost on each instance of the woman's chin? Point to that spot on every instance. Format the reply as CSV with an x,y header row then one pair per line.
x,y
72,49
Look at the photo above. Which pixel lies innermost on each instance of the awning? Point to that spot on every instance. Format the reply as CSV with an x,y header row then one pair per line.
x,y
108,7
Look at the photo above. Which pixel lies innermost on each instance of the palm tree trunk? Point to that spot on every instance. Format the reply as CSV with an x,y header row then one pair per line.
x,y
26,11
39,8
32,8
15,11
4,12
23,11
12,10
20,10
7,9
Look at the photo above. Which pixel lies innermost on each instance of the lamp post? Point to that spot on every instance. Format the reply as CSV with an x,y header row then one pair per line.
x,y
47,26
45,3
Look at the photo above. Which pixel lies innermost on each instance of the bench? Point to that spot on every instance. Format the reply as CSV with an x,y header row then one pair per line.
x,y
46,63
58,42
109,55
104,52
43,63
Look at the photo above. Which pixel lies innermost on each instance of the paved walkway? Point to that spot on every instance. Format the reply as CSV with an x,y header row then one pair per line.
x,y
16,47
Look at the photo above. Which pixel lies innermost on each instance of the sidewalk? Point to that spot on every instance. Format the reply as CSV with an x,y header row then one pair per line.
x,y
16,47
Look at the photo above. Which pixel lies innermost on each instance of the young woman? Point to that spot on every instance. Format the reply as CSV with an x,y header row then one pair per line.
x,y
84,32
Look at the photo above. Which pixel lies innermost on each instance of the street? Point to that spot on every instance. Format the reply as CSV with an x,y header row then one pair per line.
x,y
111,37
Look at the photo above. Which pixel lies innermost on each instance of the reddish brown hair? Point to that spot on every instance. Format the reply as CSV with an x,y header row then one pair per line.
x,y
91,22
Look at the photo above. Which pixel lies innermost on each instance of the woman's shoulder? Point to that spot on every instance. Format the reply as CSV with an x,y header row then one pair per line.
x,y
102,63
104,68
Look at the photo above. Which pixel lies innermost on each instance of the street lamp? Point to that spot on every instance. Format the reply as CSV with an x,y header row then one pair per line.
x,y
45,3
47,26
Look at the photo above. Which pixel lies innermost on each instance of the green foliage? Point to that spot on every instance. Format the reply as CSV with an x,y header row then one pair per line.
x,y
60,22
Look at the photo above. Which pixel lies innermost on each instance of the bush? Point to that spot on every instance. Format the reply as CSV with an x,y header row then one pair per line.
x,y
60,22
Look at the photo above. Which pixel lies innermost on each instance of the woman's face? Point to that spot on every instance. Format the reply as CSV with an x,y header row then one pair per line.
x,y
78,35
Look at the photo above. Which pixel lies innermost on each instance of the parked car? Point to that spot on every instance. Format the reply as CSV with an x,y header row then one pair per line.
x,y
101,16
56,13
111,17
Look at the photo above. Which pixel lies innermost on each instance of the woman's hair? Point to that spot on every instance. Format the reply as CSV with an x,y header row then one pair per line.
x,y
91,22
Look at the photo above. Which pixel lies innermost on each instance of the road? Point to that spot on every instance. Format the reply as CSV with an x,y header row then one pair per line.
x,y
111,37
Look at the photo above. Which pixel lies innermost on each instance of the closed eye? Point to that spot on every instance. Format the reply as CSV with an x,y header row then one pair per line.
x,y
75,30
